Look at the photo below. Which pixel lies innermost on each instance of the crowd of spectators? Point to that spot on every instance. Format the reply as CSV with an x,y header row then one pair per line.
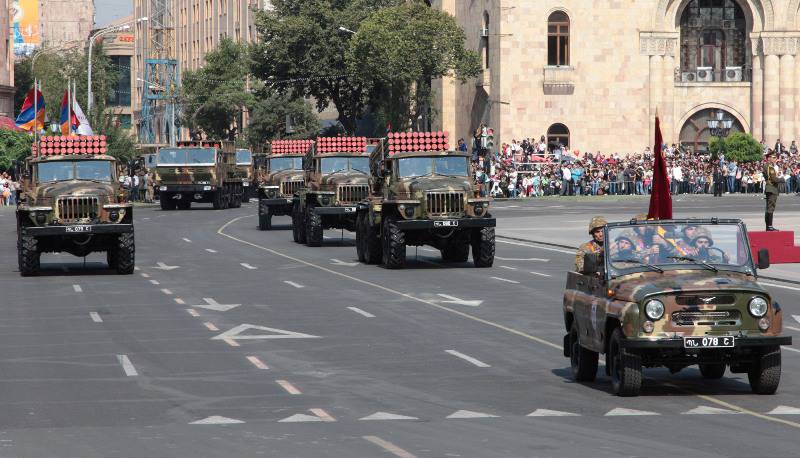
x,y
8,190
531,168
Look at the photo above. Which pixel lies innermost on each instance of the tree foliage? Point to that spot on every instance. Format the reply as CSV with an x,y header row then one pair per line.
x,y
13,146
215,96
268,119
738,146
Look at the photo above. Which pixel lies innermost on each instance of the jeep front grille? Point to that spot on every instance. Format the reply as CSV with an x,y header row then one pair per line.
x,y
73,209
288,188
351,193
445,204
707,318
705,299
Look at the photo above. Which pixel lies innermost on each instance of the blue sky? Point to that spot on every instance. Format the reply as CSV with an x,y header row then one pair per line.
x,y
109,10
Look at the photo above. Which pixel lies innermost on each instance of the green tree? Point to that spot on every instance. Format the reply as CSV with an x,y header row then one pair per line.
x,y
215,96
23,81
738,146
13,146
302,51
399,50
268,119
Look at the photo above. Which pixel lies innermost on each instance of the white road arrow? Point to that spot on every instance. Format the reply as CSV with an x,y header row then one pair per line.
x,y
796,318
455,300
162,266
338,262
216,420
211,304
272,333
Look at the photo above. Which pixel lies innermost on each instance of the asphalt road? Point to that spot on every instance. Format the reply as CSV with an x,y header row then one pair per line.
x,y
228,341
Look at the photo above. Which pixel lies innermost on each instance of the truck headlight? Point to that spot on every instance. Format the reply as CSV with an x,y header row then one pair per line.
x,y
113,215
757,306
162,188
407,211
654,309
41,218
326,200
206,188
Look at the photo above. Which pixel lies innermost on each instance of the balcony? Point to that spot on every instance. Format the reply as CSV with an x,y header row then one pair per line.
x,y
559,80
698,76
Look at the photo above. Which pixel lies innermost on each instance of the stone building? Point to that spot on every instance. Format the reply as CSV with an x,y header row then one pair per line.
x,y
593,75
6,67
119,47
63,21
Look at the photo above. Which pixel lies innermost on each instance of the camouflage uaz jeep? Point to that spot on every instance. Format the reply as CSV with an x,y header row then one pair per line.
x,y
71,202
281,179
673,293
423,194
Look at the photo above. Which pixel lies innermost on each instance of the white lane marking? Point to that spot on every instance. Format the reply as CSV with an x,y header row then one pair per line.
x,y
540,274
322,414
796,318
180,301
469,414
166,291
361,312
211,304
522,259
144,275
216,420
508,267
386,416
389,447
145,219
210,250
193,312
792,328
235,333
552,413
231,342
255,361
288,387
708,410
161,266
247,266
301,417
187,240
470,359
210,326
136,268
291,283
775,285
791,349
619,412
95,317
338,262
77,288
784,410
504,279
557,250
127,365
455,300
155,282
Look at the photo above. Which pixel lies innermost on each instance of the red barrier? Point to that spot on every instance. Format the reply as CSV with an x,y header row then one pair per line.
x,y
780,244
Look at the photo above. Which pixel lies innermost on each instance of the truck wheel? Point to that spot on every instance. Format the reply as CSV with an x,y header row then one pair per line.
x,y
123,254
712,371
166,201
394,245
218,200
298,225
626,367
456,252
372,243
765,373
360,236
313,228
483,247
582,360
265,219
236,200
28,255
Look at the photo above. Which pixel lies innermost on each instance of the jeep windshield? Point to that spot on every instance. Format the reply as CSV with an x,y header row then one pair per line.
x,y
653,246
277,164
75,170
186,156
244,157
452,166
343,164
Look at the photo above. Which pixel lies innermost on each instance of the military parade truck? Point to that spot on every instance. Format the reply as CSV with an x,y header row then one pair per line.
x,y
282,178
71,202
198,171
673,293
336,175
244,171
421,193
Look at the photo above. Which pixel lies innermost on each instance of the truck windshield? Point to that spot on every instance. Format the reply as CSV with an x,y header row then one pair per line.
x,y
244,157
186,156
74,170
441,165
342,164
276,164
672,245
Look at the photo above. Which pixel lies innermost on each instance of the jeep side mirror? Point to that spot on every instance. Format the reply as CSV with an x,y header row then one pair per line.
x,y
590,264
763,258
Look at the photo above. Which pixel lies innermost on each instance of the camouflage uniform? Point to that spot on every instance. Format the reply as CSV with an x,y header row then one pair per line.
x,y
771,192
707,254
592,246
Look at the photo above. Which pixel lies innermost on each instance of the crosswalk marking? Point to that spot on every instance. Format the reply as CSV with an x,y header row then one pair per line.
x,y
464,414
708,410
619,411
552,413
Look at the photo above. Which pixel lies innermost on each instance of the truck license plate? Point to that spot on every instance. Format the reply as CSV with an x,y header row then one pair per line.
x,y
78,229
708,342
445,224
349,209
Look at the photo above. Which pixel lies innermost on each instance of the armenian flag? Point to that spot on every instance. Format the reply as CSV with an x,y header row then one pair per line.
x,y
68,120
31,116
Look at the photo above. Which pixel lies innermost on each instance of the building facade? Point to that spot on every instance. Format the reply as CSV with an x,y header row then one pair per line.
x,y
63,21
119,47
594,75
6,66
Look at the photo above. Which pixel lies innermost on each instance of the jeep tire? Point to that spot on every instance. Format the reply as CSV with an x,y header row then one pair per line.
x,y
313,228
626,367
122,255
582,361
765,373
360,236
218,200
483,247
265,218
394,244
298,225
28,255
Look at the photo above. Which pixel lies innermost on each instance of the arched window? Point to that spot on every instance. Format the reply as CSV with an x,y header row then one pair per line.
x,y
713,41
557,134
558,39
485,39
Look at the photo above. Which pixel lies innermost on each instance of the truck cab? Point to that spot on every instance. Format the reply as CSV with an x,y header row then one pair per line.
x,y
281,178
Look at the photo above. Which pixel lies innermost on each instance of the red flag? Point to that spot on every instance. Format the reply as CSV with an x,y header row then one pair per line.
x,y
660,199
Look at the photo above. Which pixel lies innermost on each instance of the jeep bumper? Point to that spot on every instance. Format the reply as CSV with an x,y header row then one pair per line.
x,y
462,223
78,229
188,188
677,344
335,210
276,202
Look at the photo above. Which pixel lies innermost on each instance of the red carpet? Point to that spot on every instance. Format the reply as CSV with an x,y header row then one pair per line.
x,y
780,245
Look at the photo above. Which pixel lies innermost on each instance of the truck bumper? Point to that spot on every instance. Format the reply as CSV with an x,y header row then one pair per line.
x,y
463,223
276,202
335,210
187,188
677,344
78,229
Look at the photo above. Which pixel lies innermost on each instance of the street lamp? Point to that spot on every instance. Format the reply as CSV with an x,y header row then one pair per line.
x,y
719,126
49,50
99,33
346,30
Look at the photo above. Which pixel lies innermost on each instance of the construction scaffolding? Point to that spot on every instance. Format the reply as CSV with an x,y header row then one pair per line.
x,y
160,76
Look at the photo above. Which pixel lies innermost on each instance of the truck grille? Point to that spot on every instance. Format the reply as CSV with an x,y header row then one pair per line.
x,y
707,318
351,193
289,188
72,209
447,204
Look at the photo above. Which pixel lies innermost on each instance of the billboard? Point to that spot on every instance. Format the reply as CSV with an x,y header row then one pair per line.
x,y
25,25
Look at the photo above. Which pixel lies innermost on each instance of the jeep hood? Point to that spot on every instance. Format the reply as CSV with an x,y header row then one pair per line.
x,y
635,287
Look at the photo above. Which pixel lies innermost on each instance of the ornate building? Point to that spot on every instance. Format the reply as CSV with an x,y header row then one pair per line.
x,y
594,77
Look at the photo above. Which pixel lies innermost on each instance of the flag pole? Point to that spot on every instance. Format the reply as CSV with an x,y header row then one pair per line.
x,y
72,104
35,111
69,109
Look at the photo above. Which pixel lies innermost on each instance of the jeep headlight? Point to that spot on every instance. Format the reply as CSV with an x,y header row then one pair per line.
x,y
113,215
654,309
407,210
271,192
41,218
325,200
758,306
162,188
206,188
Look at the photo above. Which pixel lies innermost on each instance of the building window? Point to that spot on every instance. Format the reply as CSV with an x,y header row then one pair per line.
x,y
558,39
120,93
124,121
557,134
713,41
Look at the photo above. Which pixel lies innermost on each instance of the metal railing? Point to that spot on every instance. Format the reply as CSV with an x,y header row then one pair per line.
x,y
714,75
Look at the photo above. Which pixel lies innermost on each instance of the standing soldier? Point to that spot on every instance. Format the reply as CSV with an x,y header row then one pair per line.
x,y
771,187
592,246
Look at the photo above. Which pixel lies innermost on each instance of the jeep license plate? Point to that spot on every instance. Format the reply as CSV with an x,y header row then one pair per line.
x,y
445,224
78,229
708,342
349,209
